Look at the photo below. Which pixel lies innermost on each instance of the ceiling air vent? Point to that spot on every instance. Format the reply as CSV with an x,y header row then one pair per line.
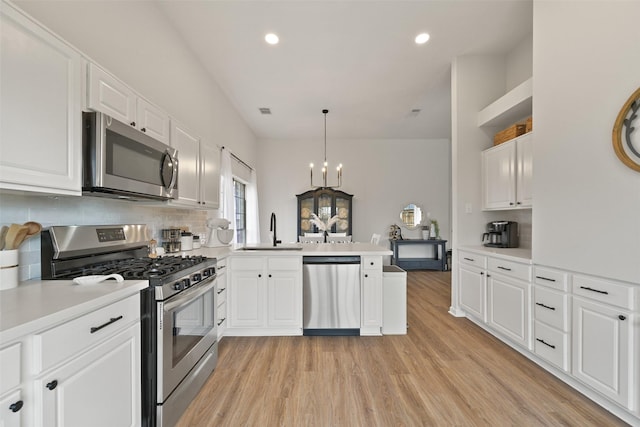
x,y
265,110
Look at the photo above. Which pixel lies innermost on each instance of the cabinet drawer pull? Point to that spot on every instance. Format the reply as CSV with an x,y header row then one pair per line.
x,y
259,275
504,268
545,343
545,306
469,259
220,291
143,129
112,320
586,288
366,275
482,273
545,278
15,407
132,123
221,321
621,317
52,385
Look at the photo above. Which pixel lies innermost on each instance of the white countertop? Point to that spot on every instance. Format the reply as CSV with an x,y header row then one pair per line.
x,y
38,304
513,254
289,249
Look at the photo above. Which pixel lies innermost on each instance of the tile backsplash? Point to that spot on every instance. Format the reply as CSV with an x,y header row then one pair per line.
x,y
86,210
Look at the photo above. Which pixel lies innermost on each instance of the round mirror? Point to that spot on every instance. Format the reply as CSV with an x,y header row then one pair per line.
x,y
411,216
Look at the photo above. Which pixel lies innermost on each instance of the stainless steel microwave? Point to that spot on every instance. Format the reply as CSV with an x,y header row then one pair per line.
x,y
119,161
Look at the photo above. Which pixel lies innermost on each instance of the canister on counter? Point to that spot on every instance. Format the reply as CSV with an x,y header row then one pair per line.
x,y
186,241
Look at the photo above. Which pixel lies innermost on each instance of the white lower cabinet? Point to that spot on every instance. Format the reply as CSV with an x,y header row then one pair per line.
x,y
83,372
11,409
99,388
265,296
605,339
508,307
371,303
472,284
221,289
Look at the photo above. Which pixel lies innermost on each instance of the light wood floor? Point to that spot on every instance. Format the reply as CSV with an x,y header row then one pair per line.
x,y
445,372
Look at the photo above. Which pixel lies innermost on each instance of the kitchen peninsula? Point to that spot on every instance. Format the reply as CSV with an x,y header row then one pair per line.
x,y
265,286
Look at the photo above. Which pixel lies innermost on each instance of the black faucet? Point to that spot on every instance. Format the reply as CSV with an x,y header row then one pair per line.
x,y
273,229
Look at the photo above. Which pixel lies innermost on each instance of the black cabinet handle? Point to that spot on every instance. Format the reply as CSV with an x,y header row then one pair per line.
x,y
545,343
270,275
504,268
488,275
52,385
112,320
221,321
366,275
586,288
621,317
469,259
15,407
482,273
220,291
545,306
143,129
545,278
259,275
372,263
510,203
132,123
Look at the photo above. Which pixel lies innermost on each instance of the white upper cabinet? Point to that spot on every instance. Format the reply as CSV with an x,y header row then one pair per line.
x,y
40,108
209,176
111,96
507,171
198,169
188,147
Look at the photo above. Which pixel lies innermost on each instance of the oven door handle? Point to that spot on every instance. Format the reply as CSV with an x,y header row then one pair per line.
x,y
190,294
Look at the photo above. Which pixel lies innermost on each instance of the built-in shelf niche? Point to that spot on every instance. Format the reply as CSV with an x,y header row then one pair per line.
x,y
515,105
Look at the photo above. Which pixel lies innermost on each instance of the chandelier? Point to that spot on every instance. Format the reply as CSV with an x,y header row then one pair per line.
x,y
325,166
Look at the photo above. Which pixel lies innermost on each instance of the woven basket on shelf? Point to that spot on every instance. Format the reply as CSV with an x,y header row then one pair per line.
x,y
509,133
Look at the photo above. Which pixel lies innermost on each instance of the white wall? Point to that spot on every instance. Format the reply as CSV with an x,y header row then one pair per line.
x,y
383,176
587,203
134,41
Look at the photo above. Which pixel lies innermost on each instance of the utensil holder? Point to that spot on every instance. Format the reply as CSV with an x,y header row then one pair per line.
x,y
8,269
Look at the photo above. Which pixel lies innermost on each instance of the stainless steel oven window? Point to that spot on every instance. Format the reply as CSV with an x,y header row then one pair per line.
x,y
187,330
191,323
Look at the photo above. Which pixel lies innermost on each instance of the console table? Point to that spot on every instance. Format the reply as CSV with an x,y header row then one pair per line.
x,y
420,262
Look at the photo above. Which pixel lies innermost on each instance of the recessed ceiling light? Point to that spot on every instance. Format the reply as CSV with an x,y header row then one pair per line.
x,y
271,38
422,38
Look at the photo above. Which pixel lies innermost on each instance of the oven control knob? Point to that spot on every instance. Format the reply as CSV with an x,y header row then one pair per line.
x,y
196,277
178,286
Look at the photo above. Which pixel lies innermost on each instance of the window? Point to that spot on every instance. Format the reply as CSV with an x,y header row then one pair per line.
x,y
239,194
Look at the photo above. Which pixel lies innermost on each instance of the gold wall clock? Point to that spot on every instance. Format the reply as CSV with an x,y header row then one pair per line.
x,y
626,138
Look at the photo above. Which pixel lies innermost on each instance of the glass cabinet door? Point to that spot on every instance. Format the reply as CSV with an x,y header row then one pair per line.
x,y
306,208
326,203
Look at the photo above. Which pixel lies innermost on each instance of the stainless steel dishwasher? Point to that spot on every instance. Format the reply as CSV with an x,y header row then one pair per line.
x,y
331,295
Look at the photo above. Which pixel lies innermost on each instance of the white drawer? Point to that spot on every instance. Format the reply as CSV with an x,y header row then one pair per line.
x,y
551,307
221,262
247,263
285,263
614,293
10,359
471,258
552,278
510,268
552,345
222,313
372,263
222,296
70,338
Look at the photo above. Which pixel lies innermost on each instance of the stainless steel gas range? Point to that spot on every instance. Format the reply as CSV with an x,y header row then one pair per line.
x,y
179,336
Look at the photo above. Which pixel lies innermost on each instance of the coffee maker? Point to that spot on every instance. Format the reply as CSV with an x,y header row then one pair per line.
x,y
501,234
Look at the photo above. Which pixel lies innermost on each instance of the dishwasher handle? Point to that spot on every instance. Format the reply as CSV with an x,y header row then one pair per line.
x,y
331,259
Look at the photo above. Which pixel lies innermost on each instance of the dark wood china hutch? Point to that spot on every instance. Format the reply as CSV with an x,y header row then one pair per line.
x,y
326,203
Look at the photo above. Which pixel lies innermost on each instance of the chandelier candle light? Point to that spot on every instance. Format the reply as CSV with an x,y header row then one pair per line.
x,y
326,164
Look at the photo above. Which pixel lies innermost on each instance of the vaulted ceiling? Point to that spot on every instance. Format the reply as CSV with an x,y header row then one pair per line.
x,y
356,58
